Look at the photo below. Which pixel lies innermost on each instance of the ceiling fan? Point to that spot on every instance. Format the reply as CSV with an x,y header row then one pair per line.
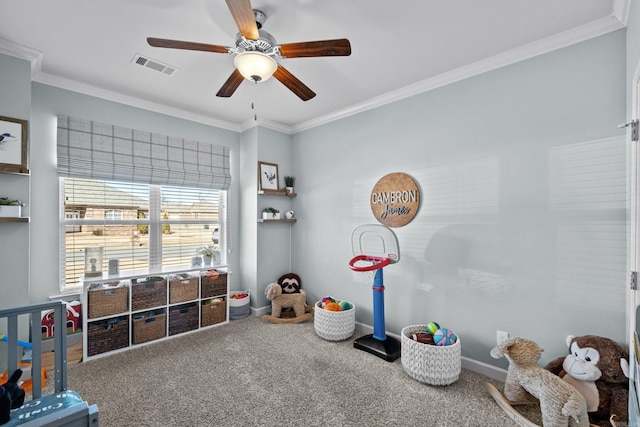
x,y
256,52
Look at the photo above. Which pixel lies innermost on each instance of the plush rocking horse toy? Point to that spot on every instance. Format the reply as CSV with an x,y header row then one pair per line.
x,y
561,404
288,301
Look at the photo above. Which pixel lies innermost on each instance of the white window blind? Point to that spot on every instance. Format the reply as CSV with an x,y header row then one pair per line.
x,y
88,149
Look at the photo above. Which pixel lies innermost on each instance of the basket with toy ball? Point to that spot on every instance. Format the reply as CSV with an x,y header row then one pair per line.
x,y
213,283
436,361
239,304
334,320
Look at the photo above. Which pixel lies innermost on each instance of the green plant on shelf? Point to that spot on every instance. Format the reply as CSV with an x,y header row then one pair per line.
x,y
4,201
207,250
289,181
271,210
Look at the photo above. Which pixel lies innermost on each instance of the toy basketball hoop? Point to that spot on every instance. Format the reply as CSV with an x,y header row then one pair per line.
x,y
375,247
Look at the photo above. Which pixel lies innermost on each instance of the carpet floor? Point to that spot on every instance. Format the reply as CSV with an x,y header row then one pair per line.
x,y
254,373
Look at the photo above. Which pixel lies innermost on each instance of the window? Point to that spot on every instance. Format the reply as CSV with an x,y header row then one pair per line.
x,y
143,226
149,200
112,214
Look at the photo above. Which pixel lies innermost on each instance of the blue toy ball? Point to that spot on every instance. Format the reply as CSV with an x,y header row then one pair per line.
x,y
346,305
443,336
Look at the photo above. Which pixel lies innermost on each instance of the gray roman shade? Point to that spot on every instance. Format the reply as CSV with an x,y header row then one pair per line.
x,y
88,149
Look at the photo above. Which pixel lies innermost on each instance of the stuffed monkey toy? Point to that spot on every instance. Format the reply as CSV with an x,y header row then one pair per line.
x,y
598,367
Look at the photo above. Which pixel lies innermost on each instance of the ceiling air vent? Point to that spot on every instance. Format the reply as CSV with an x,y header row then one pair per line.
x,y
153,64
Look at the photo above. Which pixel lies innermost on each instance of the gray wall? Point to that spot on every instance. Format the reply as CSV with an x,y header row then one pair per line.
x,y
523,219
265,248
522,225
14,237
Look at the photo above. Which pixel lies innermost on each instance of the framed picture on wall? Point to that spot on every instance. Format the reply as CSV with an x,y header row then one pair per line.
x,y
268,176
13,145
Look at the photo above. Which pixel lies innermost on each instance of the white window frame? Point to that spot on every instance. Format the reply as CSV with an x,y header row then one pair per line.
x,y
154,221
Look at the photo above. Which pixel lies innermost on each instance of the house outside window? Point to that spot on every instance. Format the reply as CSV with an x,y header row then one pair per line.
x,y
143,226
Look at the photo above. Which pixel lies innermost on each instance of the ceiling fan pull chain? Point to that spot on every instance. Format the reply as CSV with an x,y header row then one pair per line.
x,y
253,103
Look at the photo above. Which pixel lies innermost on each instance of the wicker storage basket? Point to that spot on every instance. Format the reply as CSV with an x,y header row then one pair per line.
x,y
239,308
107,335
334,325
214,312
148,293
430,364
183,318
183,287
149,327
106,301
214,283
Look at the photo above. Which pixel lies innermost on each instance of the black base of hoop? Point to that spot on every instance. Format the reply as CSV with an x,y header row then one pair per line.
x,y
389,349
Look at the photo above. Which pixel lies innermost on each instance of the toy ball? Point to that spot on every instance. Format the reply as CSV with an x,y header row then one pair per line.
x,y
432,327
346,305
423,337
333,306
443,336
326,300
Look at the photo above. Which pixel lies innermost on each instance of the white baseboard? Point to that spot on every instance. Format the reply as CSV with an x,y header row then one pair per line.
x,y
261,311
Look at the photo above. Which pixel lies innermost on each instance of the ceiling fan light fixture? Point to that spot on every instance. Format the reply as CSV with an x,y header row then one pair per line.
x,y
255,66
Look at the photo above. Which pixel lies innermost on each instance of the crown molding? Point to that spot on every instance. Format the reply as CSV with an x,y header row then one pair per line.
x,y
108,95
540,47
266,124
616,21
620,10
22,52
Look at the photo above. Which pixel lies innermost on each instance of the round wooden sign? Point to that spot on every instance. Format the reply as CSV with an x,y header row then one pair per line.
x,y
395,199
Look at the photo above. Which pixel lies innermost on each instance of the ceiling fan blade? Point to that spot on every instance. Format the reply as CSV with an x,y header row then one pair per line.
x,y
230,85
336,47
294,85
177,44
242,13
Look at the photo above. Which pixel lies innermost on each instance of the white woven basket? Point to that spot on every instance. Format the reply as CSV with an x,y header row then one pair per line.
x,y
334,325
430,364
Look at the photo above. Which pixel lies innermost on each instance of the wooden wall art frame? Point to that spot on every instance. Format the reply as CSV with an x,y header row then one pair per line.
x,y
268,178
13,145
395,199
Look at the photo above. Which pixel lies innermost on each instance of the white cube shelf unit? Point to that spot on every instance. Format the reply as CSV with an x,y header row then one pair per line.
x,y
138,307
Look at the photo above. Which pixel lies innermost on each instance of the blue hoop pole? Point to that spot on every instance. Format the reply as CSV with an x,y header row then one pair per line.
x,y
378,307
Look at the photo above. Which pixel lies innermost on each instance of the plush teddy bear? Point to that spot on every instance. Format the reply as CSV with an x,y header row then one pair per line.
x,y
561,404
287,293
598,367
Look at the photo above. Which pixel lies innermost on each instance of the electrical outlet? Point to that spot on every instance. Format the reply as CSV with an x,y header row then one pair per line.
x,y
501,336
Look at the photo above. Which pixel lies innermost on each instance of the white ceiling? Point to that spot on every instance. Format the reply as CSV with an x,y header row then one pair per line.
x,y
399,48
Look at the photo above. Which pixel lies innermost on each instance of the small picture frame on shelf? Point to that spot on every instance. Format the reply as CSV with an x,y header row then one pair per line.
x,y
268,178
13,145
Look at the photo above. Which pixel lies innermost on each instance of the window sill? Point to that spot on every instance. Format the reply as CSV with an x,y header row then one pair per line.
x,y
145,272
